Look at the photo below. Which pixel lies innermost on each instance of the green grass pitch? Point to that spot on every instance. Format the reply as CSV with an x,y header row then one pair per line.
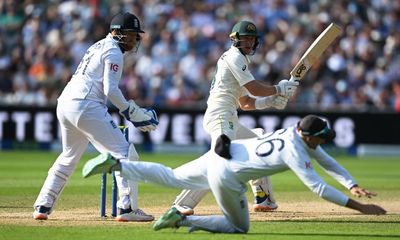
x,y
76,215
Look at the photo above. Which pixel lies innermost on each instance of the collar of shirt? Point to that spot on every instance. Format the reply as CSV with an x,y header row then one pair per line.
x,y
233,48
298,138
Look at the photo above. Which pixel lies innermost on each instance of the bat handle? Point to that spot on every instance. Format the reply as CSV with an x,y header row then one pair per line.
x,y
292,79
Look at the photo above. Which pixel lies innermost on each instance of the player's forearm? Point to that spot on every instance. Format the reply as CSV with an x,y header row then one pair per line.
x,y
114,94
247,103
259,89
265,91
117,99
343,177
333,195
333,168
354,205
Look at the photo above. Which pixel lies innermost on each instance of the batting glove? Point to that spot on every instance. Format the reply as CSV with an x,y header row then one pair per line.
x,y
278,102
286,88
143,119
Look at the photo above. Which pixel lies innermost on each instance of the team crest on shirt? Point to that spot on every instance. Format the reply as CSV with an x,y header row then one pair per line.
x,y
114,67
244,67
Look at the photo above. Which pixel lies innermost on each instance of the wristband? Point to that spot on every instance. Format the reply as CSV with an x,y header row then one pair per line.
x,y
355,185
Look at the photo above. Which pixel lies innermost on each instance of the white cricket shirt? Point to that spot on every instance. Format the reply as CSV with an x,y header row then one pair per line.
x,y
98,74
282,150
227,86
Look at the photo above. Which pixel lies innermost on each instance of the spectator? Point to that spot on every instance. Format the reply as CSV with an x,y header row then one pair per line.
x,y
366,56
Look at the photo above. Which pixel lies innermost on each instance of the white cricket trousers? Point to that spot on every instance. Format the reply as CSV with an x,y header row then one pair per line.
x,y
207,172
81,122
217,122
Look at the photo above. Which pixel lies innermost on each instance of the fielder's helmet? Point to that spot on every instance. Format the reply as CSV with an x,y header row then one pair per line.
x,y
244,28
126,22
312,125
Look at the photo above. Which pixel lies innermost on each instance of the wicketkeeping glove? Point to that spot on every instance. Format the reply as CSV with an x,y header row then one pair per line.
x,y
143,119
286,88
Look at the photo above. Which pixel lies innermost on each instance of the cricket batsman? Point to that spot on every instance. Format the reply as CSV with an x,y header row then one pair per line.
x,y
233,87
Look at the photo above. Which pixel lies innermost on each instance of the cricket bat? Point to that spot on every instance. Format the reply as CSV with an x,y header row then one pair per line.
x,y
314,51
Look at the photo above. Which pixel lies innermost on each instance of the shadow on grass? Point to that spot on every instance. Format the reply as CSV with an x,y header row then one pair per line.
x,y
339,235
381,221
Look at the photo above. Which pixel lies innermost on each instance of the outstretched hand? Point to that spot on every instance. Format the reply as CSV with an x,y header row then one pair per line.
x,y
365,208
359,192
372,209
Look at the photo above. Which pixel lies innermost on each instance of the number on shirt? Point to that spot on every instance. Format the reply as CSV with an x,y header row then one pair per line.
x,y
268,144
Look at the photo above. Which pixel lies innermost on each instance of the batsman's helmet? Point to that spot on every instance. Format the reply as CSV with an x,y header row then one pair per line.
x,y
244,28
125,22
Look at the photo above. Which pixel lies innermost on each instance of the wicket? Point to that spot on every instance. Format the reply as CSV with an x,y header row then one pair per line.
x,y
114,189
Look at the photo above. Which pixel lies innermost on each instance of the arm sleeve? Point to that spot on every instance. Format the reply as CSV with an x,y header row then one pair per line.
x,y
113,65
302,167
333,168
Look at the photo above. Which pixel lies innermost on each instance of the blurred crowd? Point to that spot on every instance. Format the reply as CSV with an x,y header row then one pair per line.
x,y
42,42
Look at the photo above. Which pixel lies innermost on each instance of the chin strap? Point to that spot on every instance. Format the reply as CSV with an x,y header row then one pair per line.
x,y
119,39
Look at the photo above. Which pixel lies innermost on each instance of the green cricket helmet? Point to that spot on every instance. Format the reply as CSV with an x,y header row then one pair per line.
x,y
244,28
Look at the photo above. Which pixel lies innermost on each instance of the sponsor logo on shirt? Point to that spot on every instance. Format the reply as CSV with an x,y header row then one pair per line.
x,y
113,124
114,67
230,125
244,67
308,165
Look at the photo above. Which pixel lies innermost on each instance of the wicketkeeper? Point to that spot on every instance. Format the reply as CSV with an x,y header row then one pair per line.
x,y
83,116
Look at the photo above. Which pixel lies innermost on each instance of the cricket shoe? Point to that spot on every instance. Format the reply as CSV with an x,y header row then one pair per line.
x,y
184,210
41,213
104,163
168,220
137,215
265,206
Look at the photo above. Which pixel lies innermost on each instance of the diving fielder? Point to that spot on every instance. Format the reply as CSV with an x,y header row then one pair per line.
x,y
83,117
291,148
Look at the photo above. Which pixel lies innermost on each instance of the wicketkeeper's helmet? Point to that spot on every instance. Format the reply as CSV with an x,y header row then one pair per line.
x,y
125,22
244,28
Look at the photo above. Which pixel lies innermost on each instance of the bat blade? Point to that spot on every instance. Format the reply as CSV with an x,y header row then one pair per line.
x,y
314,51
